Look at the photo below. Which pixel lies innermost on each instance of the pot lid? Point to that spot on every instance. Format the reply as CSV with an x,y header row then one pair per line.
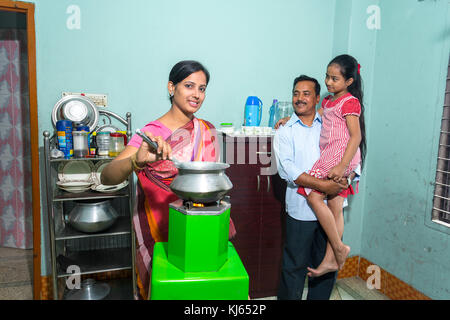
x,y
89,290
202,166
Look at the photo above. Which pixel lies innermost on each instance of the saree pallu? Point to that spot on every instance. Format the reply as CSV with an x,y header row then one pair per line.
x,y
196,141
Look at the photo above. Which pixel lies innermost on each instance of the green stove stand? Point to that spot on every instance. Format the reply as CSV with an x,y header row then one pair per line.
x,y
198,237
168,282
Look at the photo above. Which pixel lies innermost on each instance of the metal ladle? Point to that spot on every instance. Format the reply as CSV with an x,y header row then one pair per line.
x,y
154,145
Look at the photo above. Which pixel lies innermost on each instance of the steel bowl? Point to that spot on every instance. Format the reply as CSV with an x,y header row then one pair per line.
x,y
92,215
76,108
201,181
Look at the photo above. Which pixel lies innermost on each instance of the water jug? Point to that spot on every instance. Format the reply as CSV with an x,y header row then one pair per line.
x,y
253,111
284,109
273,113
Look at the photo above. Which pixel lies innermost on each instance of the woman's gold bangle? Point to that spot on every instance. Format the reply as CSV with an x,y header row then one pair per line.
x,y
134,164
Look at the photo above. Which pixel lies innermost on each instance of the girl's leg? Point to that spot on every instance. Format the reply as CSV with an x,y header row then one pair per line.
x,y
329,263
331,219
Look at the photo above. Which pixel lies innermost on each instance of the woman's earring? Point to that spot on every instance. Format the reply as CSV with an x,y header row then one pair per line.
x,y
171,94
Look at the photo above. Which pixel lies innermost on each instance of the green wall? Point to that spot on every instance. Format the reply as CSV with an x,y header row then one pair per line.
x,y
411,58
126,49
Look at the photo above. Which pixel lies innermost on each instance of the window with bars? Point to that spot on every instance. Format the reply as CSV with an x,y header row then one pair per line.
x,y
441,199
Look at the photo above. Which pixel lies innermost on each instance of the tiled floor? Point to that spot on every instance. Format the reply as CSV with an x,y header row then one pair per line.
x,y
16,280
348,289
16,274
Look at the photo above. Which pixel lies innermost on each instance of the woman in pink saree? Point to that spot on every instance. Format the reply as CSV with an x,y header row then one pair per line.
x,y
178,133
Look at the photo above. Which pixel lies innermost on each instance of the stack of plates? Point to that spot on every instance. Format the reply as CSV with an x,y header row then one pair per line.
x,y
98,186
74,186
81,175
75,176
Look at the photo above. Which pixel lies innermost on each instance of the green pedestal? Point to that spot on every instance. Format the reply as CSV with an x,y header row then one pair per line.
x,y
198,237
168,282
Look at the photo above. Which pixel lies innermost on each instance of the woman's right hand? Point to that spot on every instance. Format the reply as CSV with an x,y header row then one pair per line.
x,y
146,153
281,122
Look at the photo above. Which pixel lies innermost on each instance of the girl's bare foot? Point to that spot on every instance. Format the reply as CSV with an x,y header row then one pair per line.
x,y
341,255
323,268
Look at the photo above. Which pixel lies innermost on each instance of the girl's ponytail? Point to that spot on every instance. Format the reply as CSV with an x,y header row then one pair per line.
x,y
351,69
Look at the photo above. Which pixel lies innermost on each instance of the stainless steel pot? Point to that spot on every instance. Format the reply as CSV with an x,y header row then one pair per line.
x,y
197,181
201,181
92,215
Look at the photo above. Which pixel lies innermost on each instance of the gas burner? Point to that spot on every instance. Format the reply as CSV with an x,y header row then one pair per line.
x,y
189,204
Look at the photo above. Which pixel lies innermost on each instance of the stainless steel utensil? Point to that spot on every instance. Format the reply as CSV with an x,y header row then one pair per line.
x,y
92,215
71,102
201,181
197,181
89,290
154,145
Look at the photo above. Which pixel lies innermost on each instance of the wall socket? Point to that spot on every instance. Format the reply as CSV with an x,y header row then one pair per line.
x,y
100,100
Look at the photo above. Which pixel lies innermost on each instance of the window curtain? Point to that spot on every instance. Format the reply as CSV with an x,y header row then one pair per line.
x,y
15,159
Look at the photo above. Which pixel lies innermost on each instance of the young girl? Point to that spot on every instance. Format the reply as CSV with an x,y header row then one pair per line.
x,y
342,146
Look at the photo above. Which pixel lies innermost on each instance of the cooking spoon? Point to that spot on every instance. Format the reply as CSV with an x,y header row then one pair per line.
x,y
154,145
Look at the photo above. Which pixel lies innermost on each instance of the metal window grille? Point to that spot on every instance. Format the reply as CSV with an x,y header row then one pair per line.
x,y
441,199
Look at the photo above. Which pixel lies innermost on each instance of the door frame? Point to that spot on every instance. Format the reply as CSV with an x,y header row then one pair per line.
x,y
28,9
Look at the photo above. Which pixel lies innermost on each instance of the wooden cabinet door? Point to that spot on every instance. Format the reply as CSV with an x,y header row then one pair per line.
x,y
245,212
255,211
271,240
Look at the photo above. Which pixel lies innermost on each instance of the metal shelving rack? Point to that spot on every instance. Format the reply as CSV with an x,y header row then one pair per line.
x,y
120,255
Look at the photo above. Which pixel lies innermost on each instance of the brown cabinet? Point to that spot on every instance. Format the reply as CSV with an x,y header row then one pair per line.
x,y
257,209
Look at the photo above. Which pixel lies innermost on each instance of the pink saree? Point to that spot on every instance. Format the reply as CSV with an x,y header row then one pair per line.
x,y
196,141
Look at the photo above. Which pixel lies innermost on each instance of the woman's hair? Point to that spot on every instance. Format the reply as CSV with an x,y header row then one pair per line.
x,y
184,69
350,69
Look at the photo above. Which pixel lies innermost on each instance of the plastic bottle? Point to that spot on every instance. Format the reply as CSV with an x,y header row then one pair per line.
x,y
93,144
65,138
273,112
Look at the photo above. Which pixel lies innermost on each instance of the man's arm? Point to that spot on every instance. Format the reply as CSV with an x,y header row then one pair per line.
x,y
289,172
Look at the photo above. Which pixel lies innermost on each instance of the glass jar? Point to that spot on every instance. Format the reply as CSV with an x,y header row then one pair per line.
x,y
117,143
80,144
103,140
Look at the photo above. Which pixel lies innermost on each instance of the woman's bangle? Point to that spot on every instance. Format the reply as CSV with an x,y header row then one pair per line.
x,y
134,164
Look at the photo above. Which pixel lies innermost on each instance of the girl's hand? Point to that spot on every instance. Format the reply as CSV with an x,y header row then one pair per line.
x,y
146,153
336,173
281,122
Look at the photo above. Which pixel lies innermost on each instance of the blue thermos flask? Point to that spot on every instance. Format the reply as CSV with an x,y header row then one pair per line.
x,y
253,111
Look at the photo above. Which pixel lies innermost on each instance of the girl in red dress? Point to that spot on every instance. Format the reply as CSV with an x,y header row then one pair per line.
x,y
343,147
